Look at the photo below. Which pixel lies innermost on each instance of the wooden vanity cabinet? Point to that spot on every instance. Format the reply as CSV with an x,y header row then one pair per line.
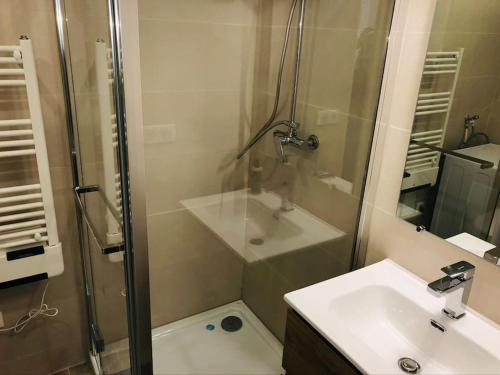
x,y
306,352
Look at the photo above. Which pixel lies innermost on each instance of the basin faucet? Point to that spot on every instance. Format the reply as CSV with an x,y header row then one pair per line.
x,y
469,124
456,285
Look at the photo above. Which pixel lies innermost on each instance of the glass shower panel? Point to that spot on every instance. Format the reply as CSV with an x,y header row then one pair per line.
x,y
315,197
87,33
228,237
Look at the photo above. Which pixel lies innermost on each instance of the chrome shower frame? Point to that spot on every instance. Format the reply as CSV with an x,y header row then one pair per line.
x,y
75,169
136,257
135,244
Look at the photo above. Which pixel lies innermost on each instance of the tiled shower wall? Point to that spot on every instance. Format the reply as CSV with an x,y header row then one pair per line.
x,y
48,344
208,73
197,75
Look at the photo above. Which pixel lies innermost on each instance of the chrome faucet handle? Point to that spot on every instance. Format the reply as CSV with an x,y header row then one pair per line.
x,y
470,121
280,139
312,142
462,269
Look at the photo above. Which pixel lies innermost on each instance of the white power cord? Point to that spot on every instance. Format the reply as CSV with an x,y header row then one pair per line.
x,y
23,321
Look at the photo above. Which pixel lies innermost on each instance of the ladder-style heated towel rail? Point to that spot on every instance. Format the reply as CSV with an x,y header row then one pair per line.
x,y
29,241
422,163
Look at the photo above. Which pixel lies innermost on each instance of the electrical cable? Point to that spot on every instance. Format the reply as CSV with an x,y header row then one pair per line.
x,y
43,310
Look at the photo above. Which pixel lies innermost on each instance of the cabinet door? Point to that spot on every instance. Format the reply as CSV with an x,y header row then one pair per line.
x,y
307,352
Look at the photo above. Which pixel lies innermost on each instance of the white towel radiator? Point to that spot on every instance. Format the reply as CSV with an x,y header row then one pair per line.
x,y
29,242
422,164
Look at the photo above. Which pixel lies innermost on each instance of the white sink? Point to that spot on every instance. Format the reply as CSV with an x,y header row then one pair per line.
x,y
254,227
381,313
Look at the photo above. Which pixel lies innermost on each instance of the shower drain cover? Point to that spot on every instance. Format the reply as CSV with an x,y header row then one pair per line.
x,y
231,323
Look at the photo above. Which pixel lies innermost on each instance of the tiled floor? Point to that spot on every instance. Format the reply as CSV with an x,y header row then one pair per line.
x,y
83,369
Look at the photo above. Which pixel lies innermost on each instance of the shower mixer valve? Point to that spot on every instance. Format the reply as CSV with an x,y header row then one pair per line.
x,y
282,139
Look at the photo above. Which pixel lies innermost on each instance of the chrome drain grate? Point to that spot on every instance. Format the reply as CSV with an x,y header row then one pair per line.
x,y
409,365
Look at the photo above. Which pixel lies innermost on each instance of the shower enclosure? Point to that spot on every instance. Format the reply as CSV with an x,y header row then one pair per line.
x,y
197,214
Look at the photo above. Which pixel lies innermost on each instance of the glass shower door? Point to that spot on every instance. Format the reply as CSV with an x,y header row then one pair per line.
x,y
227,236
89,46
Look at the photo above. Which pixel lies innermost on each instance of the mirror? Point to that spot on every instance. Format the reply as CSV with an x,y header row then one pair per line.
x,y
451,183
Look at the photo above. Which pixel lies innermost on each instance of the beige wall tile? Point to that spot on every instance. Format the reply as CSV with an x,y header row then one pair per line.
x,y
189,175
265,282
197,63
350,14
394,156
420,19
191,270
209,70
48,345
194,56
341,71
211,11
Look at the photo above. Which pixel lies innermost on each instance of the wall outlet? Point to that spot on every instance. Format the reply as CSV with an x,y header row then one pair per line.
x,y
2,323
327,117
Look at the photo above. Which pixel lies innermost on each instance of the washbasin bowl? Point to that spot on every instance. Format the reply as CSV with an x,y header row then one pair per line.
x,y
382,313
254,226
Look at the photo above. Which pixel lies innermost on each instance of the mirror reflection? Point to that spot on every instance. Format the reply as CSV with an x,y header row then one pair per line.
x,y
450,183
